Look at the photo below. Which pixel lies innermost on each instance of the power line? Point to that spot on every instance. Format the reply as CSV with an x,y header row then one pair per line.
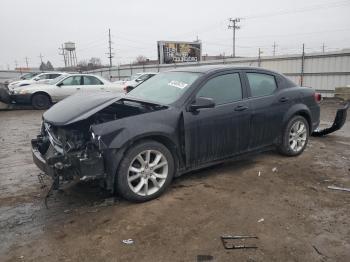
x,y
298,10
233,25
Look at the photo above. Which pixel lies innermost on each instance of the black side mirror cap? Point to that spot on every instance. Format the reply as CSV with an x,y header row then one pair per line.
x,y
202,102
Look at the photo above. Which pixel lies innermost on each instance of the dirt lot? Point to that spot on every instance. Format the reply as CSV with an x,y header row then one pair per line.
x,y
303,220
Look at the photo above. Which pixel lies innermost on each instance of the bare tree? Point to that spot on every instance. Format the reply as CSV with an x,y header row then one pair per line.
x,y
140,59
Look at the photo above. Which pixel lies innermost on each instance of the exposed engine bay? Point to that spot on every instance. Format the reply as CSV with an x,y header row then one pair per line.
x,y
73,151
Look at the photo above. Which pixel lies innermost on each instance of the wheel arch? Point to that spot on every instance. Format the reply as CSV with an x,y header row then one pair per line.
x,y
298,110
41,93
116,155
162,139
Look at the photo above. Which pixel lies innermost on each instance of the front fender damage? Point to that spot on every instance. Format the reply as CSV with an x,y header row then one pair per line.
x,y
339,121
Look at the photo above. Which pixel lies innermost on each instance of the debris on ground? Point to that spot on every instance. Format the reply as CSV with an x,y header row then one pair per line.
x,y
128,241
274,169
261,220
202,258
107,202
93,211
229,242
259,174
339,188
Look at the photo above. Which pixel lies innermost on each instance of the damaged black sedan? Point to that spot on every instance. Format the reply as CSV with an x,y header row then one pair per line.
x,y
175,122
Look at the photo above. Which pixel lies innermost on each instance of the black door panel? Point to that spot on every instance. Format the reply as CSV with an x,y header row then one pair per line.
x,y
216,133
222,131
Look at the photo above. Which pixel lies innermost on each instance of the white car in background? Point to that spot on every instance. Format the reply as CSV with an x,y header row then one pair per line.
x,y
42,78
137,79
42,96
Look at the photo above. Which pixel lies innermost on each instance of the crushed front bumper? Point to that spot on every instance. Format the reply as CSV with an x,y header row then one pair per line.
x,y
39,160
83,165
338,123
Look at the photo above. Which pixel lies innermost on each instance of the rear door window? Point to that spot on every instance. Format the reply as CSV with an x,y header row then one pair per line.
x,y
261,84
53,76
90,80
222,89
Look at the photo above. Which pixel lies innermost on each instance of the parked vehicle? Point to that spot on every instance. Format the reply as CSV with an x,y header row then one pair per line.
x,y
175,122
44,95
42,78
21,77
29,75
137,79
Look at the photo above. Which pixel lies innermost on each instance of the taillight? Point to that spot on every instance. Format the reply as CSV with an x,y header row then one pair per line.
x,y
318,97
125,88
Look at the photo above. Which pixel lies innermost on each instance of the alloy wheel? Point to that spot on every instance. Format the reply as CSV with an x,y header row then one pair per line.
x,y
297,136
147,172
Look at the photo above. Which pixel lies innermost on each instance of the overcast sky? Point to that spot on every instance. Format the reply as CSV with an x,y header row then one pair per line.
x,y
31,27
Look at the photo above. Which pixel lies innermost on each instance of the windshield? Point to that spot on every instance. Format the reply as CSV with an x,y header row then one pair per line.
x,y
28,76
57,79
133,77
165,88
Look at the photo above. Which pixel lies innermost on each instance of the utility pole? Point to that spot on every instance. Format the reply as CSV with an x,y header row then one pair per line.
x,y
16,64
259,57
323,47
26,58
110,54
233,25
274,48
41,58
302,66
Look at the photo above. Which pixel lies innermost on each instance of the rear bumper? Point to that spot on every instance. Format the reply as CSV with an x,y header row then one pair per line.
x,y
22,99
338,123
5,95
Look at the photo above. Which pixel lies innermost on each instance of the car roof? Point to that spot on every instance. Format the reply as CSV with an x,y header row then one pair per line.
x,y
146,73
213,68
82,74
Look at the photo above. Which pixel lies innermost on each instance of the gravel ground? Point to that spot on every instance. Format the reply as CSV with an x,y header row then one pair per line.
x,y
300,219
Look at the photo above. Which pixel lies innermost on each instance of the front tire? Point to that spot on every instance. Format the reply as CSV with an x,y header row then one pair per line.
x,y
41,101
295,137
145,172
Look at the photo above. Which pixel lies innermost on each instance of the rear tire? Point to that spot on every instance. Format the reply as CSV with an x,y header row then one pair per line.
x,y
41,101
295,137
145,172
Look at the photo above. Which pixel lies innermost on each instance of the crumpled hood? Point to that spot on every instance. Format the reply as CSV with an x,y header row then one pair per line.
x,y
79,107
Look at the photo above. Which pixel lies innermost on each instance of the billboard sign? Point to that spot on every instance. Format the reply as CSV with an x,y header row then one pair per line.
x,y
179,52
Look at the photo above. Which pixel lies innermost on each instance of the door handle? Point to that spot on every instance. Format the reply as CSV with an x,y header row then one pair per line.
x,y
78,88
283,99
241,108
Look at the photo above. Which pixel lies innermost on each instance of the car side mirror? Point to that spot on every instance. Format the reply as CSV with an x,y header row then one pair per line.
x,y
202,102
138,80
36,79
60,84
